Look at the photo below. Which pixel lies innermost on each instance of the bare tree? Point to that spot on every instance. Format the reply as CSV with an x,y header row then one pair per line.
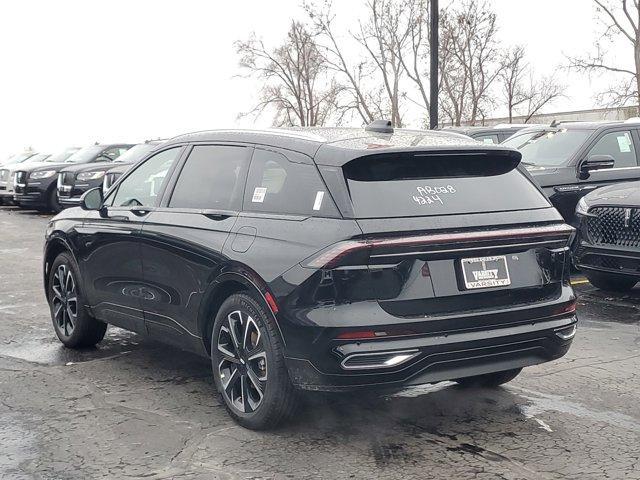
x,y
512,76
522,92
353,73
295,78
384,36
620,19
469,59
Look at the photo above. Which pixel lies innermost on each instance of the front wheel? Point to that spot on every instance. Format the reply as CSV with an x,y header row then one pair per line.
x,y
611,282
490,380
248,364
71,321
53,203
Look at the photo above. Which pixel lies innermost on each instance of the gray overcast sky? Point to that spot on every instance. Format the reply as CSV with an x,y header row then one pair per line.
x,y
77,71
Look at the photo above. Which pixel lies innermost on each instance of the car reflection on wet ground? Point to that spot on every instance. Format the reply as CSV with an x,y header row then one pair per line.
x,y
135,408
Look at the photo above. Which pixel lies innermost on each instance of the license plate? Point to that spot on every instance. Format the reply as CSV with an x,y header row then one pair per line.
x,y
485,272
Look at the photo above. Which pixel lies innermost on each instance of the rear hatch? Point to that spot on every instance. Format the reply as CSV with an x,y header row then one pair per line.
x,y
446,231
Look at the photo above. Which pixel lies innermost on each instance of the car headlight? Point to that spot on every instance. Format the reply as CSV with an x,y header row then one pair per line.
x,y
42,174
583,207
90,175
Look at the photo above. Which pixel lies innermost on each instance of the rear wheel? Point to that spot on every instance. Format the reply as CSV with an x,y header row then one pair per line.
x,y
71,321
616,283
248,364
490,379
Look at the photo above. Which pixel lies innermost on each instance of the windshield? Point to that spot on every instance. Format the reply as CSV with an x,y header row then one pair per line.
x,y
38,157
135,153
548,148
21,157
85,154
62,156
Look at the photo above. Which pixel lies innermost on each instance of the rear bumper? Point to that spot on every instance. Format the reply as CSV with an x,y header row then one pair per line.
x,y
445,357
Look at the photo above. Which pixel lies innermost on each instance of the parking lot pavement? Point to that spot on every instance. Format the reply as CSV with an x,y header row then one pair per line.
x,y
134,408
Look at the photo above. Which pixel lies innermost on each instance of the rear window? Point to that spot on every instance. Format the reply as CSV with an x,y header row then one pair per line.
x,y
406,185
276,185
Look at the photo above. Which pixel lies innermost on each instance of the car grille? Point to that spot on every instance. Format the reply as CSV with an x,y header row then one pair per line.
x,y
614,226
4,175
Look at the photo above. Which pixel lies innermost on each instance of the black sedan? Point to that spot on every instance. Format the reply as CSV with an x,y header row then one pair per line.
x,y
35,185
607,247
74,180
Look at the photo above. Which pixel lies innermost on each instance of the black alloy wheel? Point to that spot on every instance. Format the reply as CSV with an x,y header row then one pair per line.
x,y
243,364
73,324
64,301
248,364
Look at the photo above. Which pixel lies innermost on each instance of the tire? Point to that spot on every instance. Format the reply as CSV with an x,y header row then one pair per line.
x,y
490,380
248,367
77,330
53,204
612,282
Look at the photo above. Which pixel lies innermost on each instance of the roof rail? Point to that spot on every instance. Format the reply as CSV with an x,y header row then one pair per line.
x,y
379,126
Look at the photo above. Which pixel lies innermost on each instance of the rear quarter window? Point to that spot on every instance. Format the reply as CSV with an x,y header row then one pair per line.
x,y
277,185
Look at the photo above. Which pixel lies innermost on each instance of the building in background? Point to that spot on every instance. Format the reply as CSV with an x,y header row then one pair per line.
x,y
594,115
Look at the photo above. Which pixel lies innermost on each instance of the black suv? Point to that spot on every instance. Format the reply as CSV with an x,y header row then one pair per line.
x,y
488,135
569,160
320,259
74,180
607,247
35,185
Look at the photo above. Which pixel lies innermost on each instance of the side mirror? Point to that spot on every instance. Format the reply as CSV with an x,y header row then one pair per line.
x,y
92,199
594,162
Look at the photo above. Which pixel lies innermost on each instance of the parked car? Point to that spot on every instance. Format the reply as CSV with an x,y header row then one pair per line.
x,y
74,180
35,185
490,135
607,246
18,157
7,171
569,160
327,259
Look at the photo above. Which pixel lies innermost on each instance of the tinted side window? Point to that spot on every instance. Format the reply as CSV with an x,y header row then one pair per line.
x,y
277,185
142,187
619,145
212,178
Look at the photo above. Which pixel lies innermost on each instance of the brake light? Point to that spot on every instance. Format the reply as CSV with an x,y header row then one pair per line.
x,y
358,250
357,335
567,308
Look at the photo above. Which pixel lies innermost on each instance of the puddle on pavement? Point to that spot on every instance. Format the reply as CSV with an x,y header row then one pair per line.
x,y
49,351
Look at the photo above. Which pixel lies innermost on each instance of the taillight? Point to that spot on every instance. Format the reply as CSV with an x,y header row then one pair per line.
x,y
348,252
356,252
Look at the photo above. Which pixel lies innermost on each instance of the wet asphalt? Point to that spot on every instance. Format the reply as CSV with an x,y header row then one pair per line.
x,y
132,408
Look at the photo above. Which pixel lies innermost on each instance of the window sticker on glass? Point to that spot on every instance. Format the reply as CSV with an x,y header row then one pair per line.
x,y
429,195
318,203
624,143
259,194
